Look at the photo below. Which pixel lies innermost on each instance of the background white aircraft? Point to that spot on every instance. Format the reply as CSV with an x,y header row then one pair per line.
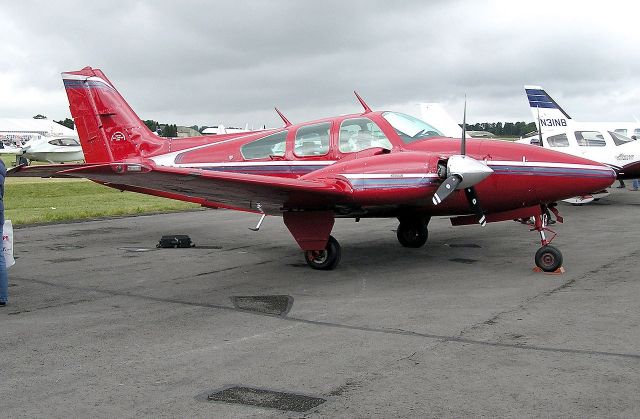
x,y
604,142
221,130
40,140
47,149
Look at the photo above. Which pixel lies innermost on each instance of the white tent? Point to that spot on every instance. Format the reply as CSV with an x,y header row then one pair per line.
x,y
44,127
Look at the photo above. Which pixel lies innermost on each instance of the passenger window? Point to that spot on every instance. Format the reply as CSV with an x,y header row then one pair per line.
x,y
590,139
271,145
359,134
619,139
559,140
622,131
312,140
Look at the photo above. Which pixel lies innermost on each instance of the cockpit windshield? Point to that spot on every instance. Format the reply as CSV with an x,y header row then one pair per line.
x,y
410,129
620,139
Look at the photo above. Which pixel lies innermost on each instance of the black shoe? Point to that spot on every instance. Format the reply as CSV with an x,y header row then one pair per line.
x,y
2,304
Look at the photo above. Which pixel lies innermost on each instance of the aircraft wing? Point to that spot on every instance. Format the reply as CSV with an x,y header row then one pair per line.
x,y
255,193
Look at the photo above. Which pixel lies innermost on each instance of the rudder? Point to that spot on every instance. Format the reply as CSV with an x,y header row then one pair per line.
x,y
109,130
550,113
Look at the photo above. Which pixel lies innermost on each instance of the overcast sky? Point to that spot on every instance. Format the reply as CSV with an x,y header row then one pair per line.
x,y
231,62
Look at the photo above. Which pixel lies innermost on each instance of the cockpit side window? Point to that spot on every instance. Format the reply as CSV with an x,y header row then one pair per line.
x,y
410,129
590,139
312,140
271,145
358,134
559,140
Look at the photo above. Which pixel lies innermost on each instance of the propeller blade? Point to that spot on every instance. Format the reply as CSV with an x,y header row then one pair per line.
x,y
446,188
463,142
474,203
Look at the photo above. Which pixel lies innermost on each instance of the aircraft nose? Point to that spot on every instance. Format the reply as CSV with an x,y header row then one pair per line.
x,y
570,176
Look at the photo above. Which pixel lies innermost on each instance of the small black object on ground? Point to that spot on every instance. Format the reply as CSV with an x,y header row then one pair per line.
x,y
175,241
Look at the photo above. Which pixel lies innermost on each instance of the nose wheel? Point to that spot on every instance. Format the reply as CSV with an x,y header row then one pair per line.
x,y
548,258
327,259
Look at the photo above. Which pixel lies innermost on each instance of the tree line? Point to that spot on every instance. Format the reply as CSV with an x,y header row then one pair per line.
x,y
508,129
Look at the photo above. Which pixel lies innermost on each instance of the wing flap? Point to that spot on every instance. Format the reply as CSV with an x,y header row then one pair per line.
x,y
269,194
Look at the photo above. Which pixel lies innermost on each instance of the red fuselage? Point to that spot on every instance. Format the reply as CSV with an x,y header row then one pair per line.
x,y
390,182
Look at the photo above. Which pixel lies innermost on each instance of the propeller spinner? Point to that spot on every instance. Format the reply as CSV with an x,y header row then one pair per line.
x,y
463,172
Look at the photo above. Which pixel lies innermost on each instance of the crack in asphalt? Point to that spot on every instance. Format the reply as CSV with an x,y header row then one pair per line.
x,y
400,332
495,317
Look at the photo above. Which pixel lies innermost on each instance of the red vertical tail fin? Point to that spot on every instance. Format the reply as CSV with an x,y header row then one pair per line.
x,y
108,128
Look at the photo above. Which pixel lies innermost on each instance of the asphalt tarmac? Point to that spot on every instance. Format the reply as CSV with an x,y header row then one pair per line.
x,y
102,324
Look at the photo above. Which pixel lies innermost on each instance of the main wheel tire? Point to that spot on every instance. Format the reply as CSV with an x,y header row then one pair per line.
x,y
548,258
413,233
326,259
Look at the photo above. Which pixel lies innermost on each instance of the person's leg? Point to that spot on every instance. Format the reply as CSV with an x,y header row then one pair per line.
x,y
634,184
4,282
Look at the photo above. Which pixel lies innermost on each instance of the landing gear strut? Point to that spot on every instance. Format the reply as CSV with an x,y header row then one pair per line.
x,y
548,258
413,232
326,259
22,161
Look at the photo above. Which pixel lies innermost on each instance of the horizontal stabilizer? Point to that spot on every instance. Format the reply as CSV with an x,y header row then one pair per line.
x,y
50,170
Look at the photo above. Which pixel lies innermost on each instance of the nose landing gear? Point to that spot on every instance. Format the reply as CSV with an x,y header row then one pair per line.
x,y
548,258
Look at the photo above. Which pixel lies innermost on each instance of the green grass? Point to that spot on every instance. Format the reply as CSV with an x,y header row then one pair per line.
x,y
34,200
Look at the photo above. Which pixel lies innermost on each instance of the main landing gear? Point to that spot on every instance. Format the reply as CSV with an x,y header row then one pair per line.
x,y
548,258
326,259
413,232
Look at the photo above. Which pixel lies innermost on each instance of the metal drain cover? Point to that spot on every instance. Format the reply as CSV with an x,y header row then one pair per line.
x,y
278,305
266,398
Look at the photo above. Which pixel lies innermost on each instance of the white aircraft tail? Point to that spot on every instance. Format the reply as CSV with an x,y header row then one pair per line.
x,y
551,114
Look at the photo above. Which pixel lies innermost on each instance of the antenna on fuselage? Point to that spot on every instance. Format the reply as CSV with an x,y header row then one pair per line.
x,y
539,128
366,107
287,123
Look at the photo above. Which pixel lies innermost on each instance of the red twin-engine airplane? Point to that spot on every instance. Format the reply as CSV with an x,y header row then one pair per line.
x,y
373,164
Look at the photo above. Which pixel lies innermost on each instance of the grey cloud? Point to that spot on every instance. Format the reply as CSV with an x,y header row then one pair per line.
x,y
232,61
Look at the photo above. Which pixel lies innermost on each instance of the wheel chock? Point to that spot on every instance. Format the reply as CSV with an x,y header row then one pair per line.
x,y
558,271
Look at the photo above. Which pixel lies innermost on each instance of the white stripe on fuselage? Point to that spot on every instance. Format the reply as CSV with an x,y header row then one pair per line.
x,y
351,176
544,164
259,163
169,159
